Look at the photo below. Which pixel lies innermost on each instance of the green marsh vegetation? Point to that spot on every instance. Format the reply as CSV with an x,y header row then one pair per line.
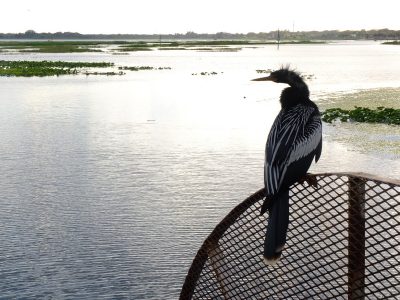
x,y
397,42
206,73
46,68
368,120
41,46
368,106
56,68
219,46
363,114
264,71
141,68
53,46
372,98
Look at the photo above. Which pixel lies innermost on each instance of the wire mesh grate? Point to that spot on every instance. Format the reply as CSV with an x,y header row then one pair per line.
x,y
343,243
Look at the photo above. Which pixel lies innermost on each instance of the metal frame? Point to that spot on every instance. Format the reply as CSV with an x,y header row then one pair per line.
x,y
226,265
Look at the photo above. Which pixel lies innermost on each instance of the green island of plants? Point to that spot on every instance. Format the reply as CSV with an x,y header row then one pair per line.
x,y
141,68
53,46
363,114
24,68
397,42
205,73
57,46
46,68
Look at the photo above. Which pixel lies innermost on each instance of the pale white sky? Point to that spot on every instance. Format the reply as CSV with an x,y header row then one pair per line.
x,y
202,16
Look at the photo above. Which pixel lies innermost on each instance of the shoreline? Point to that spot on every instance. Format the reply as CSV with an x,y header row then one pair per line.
x,y
374,138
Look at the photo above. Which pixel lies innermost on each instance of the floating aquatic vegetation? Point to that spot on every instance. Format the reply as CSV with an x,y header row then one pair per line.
x,y
133,49
371,98
217,49
380,138
397,42
104,73
52,46
206,73
308,76
363,114
46,68
172,48
267,71
141,68
56,68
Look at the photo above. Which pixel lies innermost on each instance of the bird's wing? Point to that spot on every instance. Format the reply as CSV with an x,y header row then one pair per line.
x,y
295,134
309,141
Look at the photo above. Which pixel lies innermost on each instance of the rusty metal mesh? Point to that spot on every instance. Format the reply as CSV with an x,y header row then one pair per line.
x,y
343,243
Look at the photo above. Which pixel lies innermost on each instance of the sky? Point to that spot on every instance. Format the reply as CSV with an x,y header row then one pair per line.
x,y
205,16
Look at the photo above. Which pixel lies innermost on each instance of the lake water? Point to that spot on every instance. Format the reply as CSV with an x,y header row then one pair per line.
x,y
109,185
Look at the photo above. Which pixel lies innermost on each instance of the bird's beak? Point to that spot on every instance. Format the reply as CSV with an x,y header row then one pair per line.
x,y
268,78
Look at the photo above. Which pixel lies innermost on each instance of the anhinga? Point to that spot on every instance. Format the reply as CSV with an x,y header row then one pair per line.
x,y
294,141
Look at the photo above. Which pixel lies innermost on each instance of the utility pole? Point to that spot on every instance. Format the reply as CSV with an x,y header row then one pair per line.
x,y
279,38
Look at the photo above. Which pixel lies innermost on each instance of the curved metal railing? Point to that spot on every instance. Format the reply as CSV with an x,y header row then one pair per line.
x,y
343,243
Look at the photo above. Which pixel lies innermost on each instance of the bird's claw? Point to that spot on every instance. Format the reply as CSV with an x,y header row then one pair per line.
x,y
310,179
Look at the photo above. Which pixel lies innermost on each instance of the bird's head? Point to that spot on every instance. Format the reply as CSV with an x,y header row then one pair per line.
x,y
298,90
282,75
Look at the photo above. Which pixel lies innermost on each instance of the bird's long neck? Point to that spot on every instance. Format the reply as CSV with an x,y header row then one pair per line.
x,y
297,92
296,82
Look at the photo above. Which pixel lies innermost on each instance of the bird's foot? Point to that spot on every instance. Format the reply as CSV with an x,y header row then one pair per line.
x,y
267,204
310,179
272,260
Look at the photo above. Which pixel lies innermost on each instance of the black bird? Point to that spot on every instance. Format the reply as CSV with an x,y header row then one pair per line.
x,y
294,140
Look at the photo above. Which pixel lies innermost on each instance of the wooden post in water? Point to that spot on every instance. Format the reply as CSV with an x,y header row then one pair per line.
x,y
356,239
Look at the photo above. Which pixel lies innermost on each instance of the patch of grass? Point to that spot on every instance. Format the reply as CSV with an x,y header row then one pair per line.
x,y
141,68
56,68
133,49
363,114
205,73
127,46
46,68
172,48
379,138
218,49
371,98
261,71
53,46
391,43
60,49
104,73
136,46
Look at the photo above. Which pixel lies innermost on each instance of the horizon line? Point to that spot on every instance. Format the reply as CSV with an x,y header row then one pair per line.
x,y
199,33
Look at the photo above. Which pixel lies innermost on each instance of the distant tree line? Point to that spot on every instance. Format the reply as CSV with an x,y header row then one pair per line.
x,y
378,34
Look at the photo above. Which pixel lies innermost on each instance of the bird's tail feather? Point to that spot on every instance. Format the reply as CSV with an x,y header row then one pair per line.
x,y
278,222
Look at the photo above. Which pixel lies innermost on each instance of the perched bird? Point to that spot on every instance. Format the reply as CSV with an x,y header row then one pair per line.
x,y
294,140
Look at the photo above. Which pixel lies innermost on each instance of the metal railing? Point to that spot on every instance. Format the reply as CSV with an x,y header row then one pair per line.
x,y
343,243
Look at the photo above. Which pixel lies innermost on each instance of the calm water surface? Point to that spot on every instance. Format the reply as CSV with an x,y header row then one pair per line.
x,y
109,185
